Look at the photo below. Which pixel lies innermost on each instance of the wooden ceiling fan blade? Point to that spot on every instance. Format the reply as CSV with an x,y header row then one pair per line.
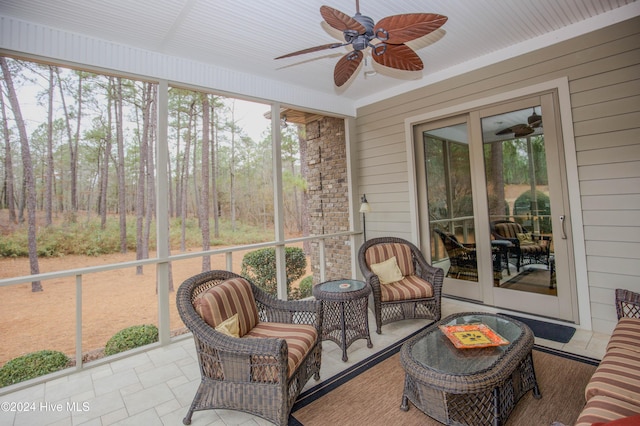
x,y
346,66
341,21
311,49
524,131
518,130
399,56
403,28
505,131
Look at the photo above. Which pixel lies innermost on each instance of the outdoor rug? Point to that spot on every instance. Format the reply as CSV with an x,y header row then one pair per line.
x,y
370,393
546,330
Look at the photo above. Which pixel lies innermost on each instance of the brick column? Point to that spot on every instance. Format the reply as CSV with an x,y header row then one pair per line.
x,y
328,194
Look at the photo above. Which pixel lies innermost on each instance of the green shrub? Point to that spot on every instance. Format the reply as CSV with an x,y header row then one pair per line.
x,y
32,365
131,337
304,289
13,248
523,206
260,267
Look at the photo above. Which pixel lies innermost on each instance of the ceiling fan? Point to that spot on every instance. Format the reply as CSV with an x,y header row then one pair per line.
x,y
386,39
519,130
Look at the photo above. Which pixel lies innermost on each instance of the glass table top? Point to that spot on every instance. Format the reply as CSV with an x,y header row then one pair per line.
x,y
435,351
341,286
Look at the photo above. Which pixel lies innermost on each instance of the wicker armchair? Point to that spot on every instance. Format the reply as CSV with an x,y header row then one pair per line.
x,y
535,251
463,259
261,372
416,295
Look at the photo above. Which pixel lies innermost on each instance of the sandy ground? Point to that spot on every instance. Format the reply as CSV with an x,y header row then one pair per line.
x,y
111,301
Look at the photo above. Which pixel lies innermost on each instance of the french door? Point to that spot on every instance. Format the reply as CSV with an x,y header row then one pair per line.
x,y
493,204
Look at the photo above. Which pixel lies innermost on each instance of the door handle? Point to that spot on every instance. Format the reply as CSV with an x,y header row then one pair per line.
x,y
564,232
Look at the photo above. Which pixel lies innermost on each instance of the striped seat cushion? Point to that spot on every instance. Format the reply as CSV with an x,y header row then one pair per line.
x,y
378,253
300,339
602,408
226,299
509,230
626,335
617,376
410,287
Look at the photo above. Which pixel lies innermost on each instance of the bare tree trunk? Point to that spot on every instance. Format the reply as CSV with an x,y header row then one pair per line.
x,y
304,171
184,185
232,171
204,202
140,204
9,182
214,173
48,179
496,182
23,198
104,181
122,209
28,175
73,141
151,187
73,150
178,167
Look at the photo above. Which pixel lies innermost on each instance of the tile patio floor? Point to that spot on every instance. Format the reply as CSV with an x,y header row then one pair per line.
x,y
156,387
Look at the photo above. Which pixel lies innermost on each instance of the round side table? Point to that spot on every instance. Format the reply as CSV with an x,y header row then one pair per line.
x,y
344,304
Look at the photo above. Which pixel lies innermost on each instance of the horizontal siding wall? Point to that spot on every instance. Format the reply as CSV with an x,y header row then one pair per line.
x,y
603,69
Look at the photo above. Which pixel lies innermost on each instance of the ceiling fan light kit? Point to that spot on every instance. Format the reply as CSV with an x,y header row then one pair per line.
x,y
386,40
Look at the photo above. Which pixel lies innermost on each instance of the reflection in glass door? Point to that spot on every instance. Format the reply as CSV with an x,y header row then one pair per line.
x,y
518,200
449,203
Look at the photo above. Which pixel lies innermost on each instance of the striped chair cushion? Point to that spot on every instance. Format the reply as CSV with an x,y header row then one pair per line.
x,y
509,230
300,339
617,376
626,335
602,408
378,253
410,287
226,299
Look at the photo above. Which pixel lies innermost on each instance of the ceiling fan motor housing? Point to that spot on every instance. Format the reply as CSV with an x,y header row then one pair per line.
x,y
360,41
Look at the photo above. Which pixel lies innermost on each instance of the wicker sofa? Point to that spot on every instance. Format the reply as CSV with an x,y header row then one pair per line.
x,y
613,393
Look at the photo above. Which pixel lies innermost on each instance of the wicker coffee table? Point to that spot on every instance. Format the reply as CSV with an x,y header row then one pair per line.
x,y
475,386
344,304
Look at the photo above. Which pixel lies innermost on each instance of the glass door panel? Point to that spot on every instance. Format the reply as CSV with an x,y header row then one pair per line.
x,y
518,201
450,206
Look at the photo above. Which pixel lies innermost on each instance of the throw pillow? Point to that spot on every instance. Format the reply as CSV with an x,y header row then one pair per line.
x,y
525,238
387,271
230,326
226,299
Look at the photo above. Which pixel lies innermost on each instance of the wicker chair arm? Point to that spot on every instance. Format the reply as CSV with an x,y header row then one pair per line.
x,y
272,309
369,276
627,303
424,270
267,347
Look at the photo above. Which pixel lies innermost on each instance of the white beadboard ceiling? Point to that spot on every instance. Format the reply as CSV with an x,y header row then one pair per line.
x,y
246,36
